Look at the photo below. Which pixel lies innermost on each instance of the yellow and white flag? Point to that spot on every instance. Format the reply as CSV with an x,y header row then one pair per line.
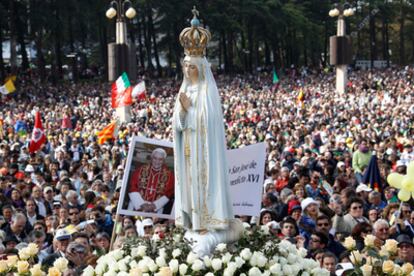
x,y
7,88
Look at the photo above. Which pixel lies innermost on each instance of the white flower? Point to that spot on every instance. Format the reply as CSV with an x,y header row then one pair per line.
x,y
160,261
100,268
369,240
246,225
88,271
254,271
155,238
221,247
287,270
173,264
349,243
176,252
36,270
246,254
391,246
191,258
226,258
122,265
207,261
24,254
276,269
265,229
61,264
123,273
239,262
111,273
295,269
32,249
231,269
162,253
283,261
118,254
302,252
253,259
356,257
291,258
177,238
209,274
143,265
152,266
366,270
142,251
216,264
183,269
197,265
261,260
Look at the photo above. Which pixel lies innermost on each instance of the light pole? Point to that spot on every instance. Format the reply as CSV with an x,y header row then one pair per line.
x,y
121,55
340,46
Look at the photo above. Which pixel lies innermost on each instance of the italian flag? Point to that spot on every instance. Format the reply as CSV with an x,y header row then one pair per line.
x,y
121,92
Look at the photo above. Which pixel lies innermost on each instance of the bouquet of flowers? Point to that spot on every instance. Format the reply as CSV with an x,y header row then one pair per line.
x,y
376,261
25,264
257,253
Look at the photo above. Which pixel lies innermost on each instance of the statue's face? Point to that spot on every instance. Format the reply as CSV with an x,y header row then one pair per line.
x,y
190,71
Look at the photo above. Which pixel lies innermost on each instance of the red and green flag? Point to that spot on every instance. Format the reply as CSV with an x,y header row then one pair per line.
x,y
121,92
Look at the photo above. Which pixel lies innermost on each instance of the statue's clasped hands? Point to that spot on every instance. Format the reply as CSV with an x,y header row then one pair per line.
x,y
185,101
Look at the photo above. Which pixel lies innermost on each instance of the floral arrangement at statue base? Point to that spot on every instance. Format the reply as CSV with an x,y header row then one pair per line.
x,y
25,264
374,261
256,253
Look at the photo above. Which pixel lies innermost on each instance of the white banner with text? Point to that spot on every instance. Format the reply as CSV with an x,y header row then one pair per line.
x,y
246,175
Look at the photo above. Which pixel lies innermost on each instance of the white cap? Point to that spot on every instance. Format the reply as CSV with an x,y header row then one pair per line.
x,y
363,188
267,182
29,169
340,164
62,234
147,222
308,201
342,268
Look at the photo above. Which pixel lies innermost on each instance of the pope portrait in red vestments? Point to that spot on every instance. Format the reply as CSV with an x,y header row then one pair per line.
x,y
151,186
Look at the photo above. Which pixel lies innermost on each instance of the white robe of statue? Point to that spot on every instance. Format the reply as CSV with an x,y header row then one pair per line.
x,y
202,199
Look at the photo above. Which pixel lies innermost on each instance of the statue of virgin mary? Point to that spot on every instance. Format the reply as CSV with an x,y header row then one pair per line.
x,y
202,199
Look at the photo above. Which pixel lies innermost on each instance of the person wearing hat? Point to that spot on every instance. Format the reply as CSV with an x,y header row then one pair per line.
x,y
401,167
408,154
405,250
148,227
363,191
61,242
310,212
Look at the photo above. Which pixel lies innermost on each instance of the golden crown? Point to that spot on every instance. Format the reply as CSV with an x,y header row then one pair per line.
x,y
194,39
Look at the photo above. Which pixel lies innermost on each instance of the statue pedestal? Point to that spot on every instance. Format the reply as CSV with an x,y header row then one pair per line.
x,y
204,244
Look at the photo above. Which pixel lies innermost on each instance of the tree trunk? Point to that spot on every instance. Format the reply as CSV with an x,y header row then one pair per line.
x,y
230,48
2,72
267,53
225,53
154,40
13,52
103,46
372,36
147,38
20,38
401,32
140,46
325,45
39,56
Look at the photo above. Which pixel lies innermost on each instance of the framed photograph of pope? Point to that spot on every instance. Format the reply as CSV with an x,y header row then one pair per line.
x,y
148,183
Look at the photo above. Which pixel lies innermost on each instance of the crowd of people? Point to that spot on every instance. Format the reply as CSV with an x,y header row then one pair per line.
x,y
64,196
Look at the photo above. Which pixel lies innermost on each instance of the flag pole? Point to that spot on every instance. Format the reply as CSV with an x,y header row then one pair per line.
x,y
114,230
